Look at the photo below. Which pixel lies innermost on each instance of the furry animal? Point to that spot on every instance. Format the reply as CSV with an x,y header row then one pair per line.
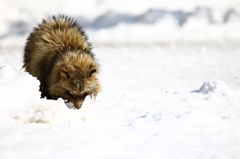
x,y
58,53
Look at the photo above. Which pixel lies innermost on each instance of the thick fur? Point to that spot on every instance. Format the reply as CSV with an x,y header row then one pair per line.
x,y
58,53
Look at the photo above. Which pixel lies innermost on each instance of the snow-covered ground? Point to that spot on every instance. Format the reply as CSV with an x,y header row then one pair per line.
x,y
170,90
154,104
127,21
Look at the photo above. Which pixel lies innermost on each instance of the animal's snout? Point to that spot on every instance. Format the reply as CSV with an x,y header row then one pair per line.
x,y
78,104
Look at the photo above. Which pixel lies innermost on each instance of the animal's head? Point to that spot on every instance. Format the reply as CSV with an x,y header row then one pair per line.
x,y
75,78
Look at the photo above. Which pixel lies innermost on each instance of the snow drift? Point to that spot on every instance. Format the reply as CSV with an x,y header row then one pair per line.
x,y
20,95
179,121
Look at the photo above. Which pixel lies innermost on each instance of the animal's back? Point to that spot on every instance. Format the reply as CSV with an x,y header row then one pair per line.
x,y
51,38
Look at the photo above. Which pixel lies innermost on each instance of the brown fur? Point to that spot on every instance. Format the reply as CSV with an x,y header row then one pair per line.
x,y
57,52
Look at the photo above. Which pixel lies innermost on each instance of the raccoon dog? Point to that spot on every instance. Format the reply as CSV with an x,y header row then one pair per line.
x,y
58,53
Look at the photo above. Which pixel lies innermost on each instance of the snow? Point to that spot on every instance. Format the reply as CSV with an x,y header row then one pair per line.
x,y
169,91
148,109
105,21
215,86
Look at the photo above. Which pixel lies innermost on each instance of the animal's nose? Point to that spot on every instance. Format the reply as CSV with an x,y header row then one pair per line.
x,y
78,107
78,104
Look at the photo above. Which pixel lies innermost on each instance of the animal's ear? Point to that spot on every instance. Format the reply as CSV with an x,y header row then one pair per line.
x,y
92,72
64,74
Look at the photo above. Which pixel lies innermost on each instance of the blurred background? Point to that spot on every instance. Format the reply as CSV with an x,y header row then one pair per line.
x,y
128,22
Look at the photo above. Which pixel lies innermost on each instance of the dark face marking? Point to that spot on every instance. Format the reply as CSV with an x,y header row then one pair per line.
x,y
92,72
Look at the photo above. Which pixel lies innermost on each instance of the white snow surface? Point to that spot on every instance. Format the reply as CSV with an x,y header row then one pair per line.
x,y
157,102
169,91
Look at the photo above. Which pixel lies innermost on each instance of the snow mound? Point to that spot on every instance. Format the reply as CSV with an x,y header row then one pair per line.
x,y
17,88
20,100
7,72
215,86
48,111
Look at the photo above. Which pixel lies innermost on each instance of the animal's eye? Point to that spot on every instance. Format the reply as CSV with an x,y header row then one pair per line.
x,y
92,72
64,74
